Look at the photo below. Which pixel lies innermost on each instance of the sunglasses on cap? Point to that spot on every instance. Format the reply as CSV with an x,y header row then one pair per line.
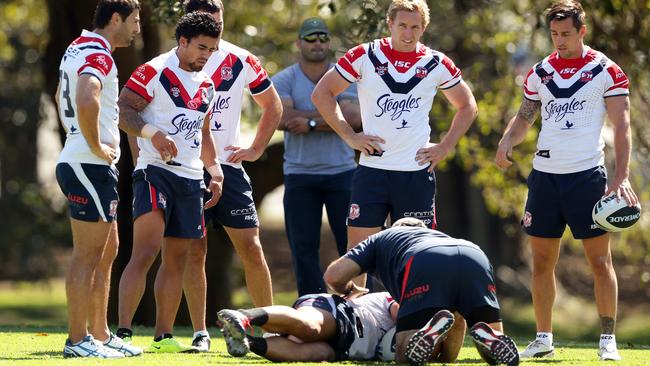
x,y
322,37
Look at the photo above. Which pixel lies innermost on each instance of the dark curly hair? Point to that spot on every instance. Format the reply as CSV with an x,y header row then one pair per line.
x,y
197,24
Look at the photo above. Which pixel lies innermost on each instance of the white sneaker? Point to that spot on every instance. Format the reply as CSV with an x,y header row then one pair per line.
x,y
537,349
608,352
89,347
118,344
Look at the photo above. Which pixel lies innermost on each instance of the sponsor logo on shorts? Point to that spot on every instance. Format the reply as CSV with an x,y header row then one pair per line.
x,y
527,220
162,200
355,211
248,213
424,216
420,290
80,200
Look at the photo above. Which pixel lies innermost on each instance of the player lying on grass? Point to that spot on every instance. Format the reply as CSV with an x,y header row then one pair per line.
x,y
431,275
318,327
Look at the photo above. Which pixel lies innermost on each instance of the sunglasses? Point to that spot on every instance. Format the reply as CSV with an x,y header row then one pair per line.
x,y
322,37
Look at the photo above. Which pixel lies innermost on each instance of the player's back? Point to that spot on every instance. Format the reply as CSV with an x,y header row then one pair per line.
x,y
89,54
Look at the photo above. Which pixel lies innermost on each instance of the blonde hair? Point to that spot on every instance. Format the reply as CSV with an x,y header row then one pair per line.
x,y
409,5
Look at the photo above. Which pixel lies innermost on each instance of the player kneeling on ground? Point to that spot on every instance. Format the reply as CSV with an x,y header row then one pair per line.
x,y
319,327
433,277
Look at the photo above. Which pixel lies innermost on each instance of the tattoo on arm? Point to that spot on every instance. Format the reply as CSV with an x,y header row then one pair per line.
x,y
131,104
529,110
607,324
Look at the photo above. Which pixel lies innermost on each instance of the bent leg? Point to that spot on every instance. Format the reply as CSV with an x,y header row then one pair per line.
x,y
599,257
195,283
89,241
450,347
545,255
148,232
282,349
258,278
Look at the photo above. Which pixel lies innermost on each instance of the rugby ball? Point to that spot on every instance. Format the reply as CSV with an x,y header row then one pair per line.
x,y
386,347
611,214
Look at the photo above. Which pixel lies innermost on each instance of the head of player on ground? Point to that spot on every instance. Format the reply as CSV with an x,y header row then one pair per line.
x,y
407,20
214,7
566,20
118,21
314,40
197,35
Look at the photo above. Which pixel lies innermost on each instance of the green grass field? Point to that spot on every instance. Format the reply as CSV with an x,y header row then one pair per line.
x,y
32,332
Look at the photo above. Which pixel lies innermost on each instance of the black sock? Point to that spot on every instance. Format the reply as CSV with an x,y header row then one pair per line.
x,y
163,336
257,316
124,332
257,345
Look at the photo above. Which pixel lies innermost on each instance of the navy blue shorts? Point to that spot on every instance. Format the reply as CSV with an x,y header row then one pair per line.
x,y
454,277
91,190
235,208
342,313
376,193
181,200
557,200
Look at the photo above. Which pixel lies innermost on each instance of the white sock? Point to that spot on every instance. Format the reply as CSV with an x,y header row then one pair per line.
x,y
546,338
607,338
203,333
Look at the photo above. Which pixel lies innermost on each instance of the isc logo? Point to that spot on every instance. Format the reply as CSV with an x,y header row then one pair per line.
x,y
568,70
400,63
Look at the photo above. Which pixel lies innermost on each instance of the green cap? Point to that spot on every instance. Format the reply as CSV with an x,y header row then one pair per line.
x,y
311,26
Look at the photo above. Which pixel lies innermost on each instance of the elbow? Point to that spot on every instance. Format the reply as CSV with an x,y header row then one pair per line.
x,y
332,278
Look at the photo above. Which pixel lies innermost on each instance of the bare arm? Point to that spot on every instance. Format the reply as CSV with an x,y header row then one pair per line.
x,y
618,112
271,106
516,131
211,163
462,99
89,89
131,122
339,275
324,98
295,120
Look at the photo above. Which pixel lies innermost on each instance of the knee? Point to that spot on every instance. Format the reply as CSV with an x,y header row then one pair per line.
x,y
602,266
308,332
543,265
252,252
197,254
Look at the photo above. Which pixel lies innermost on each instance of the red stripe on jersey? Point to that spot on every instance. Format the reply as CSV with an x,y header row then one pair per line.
x,y
98,61
407,270
567,67
228,62
138,89
183,92
402,61
528,91
256,65
623,85
618,76
451,67
81,40
346,61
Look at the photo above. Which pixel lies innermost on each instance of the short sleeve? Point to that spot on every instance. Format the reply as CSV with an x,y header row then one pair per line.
x,y
282,82
617,82
257,78
349,65
450,75
531,89
364,254
142,81
97,64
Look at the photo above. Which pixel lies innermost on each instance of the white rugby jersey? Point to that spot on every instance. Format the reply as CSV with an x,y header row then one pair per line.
x,y
89,54
373,312
178,100
396,91
572,93
232,69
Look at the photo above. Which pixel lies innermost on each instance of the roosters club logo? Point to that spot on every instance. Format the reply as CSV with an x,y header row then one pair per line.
x,y
382,69
421,72
226,73
547,78
586,76
355,211
176,91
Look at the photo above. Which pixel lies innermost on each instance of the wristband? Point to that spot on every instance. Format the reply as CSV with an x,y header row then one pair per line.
x,y
148,131
214,170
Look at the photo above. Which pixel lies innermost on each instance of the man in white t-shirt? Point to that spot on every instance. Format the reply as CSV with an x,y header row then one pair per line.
x,y
167,103
318,327
575,88
86,97
233,70
397,79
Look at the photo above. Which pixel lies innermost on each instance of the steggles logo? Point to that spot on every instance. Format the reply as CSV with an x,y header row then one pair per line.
x,y
395,107
553,108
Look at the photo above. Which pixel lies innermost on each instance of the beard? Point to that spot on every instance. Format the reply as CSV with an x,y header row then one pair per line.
x,y
195,66
315,57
